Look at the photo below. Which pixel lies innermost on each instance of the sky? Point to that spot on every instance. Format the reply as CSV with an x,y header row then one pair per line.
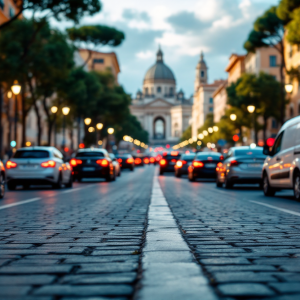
x,y
183,29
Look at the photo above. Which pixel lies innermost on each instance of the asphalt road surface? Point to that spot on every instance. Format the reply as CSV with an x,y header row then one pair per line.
x,y
146,236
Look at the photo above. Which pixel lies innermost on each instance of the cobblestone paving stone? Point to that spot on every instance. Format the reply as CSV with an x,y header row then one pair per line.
x,y
246,250
81,245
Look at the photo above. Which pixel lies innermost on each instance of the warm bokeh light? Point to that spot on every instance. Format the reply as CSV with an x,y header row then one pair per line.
x,y
251,109
233,117
16,88
205,132
99,126
65,110
210,130
110,130
81,146
87,121
216,128
201,136
289,88
9,94
28,144
91,129
54,109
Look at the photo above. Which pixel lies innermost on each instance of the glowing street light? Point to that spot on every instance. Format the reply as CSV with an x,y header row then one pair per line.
x,y
233,117
99,143
65,110
110,130
210,130
195,139
201,136
16,88
289,88
9,94
87,121
251,109
99,126
91,129
216,128
54,109
205,133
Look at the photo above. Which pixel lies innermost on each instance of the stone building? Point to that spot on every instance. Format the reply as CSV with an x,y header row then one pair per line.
x,y
162,111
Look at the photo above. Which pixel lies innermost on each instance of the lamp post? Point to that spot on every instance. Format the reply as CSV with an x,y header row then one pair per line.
x,y
251,110
65,111
289,88
54,110
16,89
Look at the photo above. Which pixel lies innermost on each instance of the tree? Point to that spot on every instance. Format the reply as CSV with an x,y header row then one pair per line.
x,y
285,8
293,28
95,35
72,10
269,32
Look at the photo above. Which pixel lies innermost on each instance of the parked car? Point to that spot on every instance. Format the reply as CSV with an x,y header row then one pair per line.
x,y
181,167
204,165
2,180
242,165
168,161
116,164
126,161
93,163
38,166
281,168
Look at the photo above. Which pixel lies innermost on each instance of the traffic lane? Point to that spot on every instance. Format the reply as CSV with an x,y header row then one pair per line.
x,y
85,243
246,250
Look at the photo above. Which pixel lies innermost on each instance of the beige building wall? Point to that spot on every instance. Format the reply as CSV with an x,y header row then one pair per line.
x,y
220,102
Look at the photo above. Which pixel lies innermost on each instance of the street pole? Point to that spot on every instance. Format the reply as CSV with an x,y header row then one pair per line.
x,y
16,117
64,133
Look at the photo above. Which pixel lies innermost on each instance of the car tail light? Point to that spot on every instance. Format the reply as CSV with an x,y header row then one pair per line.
x,y
137,161
198,164
146,161
48,164
173,160
219,166
152,160
102,162
10,165
130,160
163,162
234,163
74,162
120,160
180,163
221,157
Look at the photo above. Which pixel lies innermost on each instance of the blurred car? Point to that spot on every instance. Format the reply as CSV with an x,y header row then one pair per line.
x,y
204,165
38,166
116,164
126,161
168,162
181,167
93,163
138,160
2,180
242,165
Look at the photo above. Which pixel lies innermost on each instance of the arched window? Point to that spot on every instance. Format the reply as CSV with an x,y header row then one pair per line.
x,y
159,128
202,74
159,89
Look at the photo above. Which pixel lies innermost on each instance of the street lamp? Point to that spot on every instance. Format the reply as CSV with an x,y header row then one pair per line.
x,y
205,132
289,88
210,130
110,130
16,89
87,121
99,126
251,109
91,129
201,136
65,111
54,110
233,117
216,128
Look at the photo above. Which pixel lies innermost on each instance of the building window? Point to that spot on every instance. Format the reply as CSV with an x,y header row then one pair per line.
x,y
274,124
211,100
202,74
11,12
273,62
159,89
211,109
98,60
2,4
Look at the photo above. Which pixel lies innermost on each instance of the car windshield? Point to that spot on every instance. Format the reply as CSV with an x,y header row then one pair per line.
x,y
90,154
188,157
249,152
208,156
32,154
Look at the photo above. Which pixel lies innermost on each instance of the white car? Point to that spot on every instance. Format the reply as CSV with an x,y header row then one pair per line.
x,y
281,168
38,166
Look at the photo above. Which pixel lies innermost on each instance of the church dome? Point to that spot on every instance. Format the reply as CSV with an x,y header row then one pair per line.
x,y
159,71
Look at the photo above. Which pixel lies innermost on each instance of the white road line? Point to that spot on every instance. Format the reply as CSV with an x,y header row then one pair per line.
x,y
39,198
278,208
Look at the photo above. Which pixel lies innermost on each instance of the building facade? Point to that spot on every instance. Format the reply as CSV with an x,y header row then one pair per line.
x,y
162,111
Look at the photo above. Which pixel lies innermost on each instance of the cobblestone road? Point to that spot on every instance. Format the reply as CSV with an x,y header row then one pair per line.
x,y
132,239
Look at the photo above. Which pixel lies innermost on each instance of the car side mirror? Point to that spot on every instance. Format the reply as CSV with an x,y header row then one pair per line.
x,y
267,150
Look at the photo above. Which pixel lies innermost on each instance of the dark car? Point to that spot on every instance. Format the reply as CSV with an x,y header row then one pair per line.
x,y
126,161
93,163
204,165
168,162
181,167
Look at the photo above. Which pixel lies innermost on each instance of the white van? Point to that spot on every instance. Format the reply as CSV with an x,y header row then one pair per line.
x,y
281,168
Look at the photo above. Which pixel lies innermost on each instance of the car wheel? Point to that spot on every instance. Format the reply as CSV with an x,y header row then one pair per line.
x,y
2,187
70,182
219,184
268,190
228,184
58,184
11,186
297,186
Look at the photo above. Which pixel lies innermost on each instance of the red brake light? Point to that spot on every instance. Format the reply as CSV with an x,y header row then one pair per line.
x,y
146,161
165,153
137,161
48,164
102,162
152,159
10,165
234,163
174,160
219,165
74,162
130,160
120,160
221,157
163,162
198,164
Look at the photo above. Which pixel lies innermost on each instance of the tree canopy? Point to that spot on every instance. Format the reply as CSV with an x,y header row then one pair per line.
x,y
285,9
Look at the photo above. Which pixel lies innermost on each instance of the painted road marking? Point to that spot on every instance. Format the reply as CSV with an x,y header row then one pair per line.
x,y
278,208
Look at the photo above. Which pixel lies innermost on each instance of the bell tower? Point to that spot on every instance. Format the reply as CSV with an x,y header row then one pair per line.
x,y
201,72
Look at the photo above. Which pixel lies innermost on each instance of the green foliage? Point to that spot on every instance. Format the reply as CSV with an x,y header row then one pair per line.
x,y
293,28
96,35
285,9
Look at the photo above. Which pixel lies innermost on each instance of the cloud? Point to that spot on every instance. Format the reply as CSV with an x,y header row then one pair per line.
x,y
129,14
